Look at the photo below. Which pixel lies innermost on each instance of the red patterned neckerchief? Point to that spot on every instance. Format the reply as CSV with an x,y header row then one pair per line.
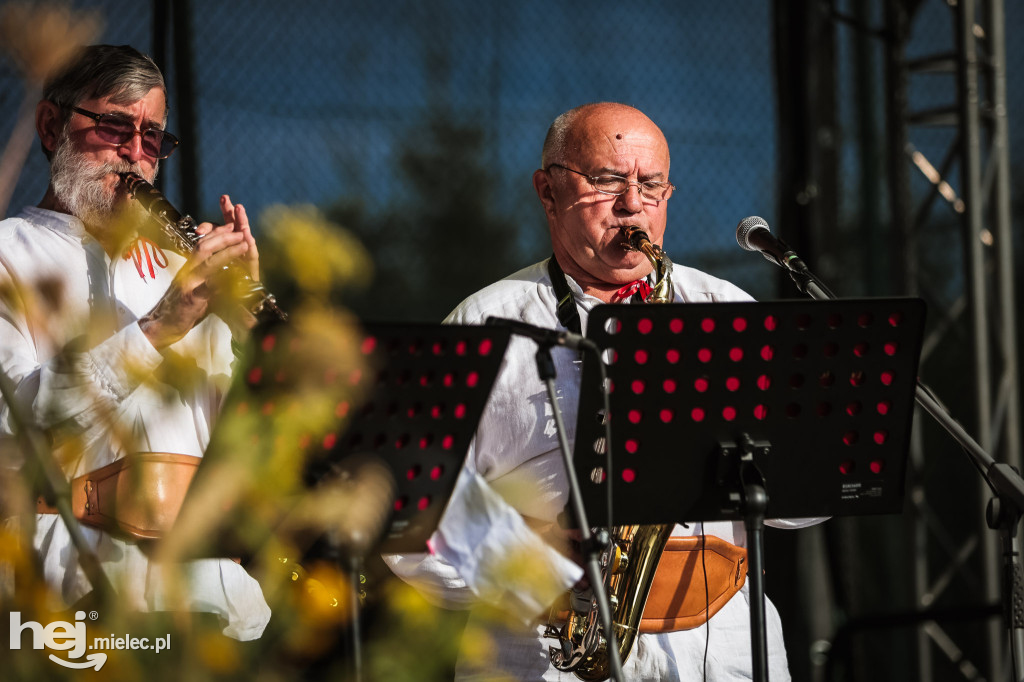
x,y
640,287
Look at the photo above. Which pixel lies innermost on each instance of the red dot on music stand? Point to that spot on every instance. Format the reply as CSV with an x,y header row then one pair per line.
x,y
329,440
877,466
436,411
641,357
760,412
767,353
857,378
255,374
847,467
672,355
460,348
666,415
736,354
634,416
707,325
436,472
632,445
472,379
268,343
412,472
400,503
895,319
675,325
368,345
447,442
637,386
729,413
437,348
739,324
850,437
704,355
644,326
764,382
890,348
485,347
853,409
669,385
697,414
887,378
881,436
883,407
423,503
860,350
449,380
628,475
771,323
701,384
425,442
732,383
460,411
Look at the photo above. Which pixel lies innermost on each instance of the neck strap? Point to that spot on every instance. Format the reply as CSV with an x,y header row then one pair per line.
x,y
568,314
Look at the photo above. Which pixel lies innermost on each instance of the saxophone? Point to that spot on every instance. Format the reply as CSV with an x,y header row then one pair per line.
x,y
180,231
629,562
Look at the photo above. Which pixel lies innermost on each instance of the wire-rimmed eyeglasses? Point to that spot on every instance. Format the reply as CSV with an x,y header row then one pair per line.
x,y
617,185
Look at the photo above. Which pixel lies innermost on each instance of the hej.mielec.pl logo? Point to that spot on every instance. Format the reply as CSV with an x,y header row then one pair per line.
x,y
71,637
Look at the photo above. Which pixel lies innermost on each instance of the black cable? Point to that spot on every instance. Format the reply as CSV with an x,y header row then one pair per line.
x,y
707,600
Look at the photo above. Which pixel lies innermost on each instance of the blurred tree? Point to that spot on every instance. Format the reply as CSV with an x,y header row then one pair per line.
x,y
441,243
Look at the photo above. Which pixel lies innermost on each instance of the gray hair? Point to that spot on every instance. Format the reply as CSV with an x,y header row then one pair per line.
x,y
119,72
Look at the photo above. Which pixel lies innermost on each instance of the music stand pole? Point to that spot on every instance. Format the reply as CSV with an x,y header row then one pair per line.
x,y
755,502
1004,509
546,370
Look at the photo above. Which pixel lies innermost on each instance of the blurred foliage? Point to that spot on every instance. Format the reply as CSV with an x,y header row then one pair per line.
x,y
444,240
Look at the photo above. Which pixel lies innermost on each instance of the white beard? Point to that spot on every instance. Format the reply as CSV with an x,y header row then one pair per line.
x,y
80,186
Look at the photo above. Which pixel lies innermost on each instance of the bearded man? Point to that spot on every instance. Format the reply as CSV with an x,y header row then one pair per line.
x,y
117,347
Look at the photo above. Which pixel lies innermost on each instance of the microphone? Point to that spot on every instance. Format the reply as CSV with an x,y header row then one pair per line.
x,y
752,234
543,336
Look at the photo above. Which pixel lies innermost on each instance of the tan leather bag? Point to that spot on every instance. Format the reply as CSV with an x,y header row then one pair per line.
x,y
678,600
138,496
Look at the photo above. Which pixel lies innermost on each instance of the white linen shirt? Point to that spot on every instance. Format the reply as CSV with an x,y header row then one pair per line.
x,y
102,401
514,469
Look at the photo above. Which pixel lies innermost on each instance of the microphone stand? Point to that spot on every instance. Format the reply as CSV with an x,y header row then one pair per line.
x,y
591,548
1004,509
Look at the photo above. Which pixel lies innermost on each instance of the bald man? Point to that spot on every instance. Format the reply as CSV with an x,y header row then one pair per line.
x,y
604,171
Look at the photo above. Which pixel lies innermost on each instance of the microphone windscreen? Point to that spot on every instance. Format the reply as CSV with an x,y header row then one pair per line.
x,y
746,226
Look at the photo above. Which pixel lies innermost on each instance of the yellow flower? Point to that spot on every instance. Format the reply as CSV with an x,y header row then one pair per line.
x,y
41,38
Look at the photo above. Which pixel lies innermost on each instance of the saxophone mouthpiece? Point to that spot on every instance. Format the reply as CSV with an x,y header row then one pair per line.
x,y
635,238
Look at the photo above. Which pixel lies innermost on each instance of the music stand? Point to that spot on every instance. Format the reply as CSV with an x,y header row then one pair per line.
x,y
407,395
714,405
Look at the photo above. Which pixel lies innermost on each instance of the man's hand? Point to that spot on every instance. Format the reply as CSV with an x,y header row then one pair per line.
x,y
202,278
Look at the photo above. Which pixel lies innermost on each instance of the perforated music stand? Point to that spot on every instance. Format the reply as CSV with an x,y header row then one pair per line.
x,y
408,394
309,400
814,398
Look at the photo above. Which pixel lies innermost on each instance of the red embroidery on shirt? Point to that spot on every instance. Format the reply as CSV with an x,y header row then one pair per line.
x,y
144,248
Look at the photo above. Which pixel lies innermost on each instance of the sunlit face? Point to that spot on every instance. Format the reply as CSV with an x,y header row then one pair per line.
x,y
84,169
586,225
